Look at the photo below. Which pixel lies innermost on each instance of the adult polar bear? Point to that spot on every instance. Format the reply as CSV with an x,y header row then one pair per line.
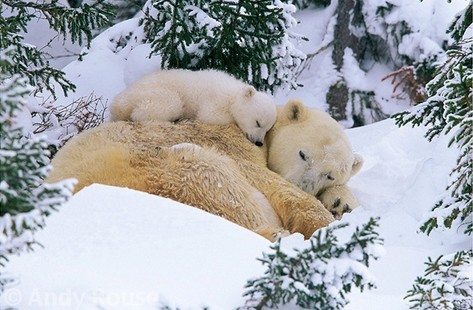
x,y
210,96
226,174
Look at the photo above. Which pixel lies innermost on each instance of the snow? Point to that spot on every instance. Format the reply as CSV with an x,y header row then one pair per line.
x,y
109,246
356,77
203,19
115,248
429,19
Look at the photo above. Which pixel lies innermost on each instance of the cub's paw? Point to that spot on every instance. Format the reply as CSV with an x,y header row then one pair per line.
x,y
338,200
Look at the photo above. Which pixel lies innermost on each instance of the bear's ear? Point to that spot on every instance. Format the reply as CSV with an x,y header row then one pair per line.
x,y
294,111
357,164
249,91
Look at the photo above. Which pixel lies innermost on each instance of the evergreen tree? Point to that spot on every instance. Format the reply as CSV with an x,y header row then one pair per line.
x,y
24,199
446,284
127,9
319,276
30,61
302,4
248,39
448,110
362,33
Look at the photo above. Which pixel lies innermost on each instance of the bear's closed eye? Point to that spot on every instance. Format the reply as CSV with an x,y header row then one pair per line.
x,y
302,155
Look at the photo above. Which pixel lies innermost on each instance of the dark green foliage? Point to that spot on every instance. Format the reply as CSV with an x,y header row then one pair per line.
x,y
448,110
247,38
24,199
461,23
377,32
74,3
127,9
446,284
28,60
385,47
302,4
319,276
23,161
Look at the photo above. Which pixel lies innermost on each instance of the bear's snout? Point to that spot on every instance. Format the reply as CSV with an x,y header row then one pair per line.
x,y
259,143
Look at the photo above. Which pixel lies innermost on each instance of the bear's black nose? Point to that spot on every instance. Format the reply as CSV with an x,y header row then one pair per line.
x,y
259,143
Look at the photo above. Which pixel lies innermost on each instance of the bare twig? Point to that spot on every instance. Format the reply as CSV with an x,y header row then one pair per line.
x,y
405,81
81,114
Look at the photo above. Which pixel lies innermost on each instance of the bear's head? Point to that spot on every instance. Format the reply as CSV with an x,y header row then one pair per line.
x,y
310,149
255,113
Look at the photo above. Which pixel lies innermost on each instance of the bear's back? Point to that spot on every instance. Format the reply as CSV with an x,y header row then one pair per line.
x,y
194,86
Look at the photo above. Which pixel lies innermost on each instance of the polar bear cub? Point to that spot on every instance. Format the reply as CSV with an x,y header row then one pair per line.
x,y
210,96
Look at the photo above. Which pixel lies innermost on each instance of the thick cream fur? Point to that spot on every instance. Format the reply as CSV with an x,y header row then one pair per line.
x,y
215,168
210,96
143,156
311,150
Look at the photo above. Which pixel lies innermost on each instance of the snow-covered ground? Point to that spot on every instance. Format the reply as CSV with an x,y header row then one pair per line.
x,y
114,248
118,248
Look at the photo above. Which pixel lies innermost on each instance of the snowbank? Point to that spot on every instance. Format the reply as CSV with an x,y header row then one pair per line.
x,y
121,249
113,248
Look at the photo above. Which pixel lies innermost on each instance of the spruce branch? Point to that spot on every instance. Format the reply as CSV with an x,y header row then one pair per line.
x,y
25,200
248,39
30,61
448,111
447,283
313,277
69,21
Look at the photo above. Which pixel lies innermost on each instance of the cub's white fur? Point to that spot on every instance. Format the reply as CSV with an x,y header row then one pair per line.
x,y
210,96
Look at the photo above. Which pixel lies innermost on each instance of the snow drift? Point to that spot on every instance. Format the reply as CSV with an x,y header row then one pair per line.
x,y
116,248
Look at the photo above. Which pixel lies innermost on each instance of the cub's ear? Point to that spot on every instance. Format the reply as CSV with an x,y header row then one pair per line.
x,y
357,164
249,91
294,111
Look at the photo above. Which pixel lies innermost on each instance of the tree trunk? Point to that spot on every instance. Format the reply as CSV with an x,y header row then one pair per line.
x,y
337,96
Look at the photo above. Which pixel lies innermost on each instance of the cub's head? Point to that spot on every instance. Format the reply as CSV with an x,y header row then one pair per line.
x,y
255,113
310,149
